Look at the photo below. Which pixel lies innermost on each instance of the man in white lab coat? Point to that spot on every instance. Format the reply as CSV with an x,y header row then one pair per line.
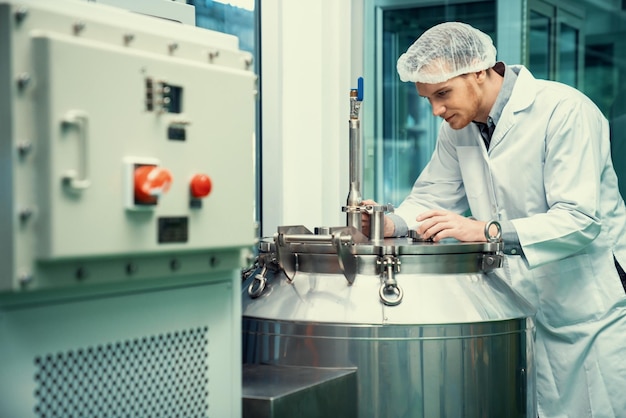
x,y
535,156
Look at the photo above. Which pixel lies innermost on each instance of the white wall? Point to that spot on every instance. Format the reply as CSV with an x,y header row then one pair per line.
x,y
307,54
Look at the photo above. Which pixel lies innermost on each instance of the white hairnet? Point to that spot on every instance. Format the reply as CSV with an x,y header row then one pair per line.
x,y
446,51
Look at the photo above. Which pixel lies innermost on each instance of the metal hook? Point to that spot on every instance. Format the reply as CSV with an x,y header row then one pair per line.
x,y
262,283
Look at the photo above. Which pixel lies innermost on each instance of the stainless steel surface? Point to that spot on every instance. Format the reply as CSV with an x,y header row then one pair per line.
x,y
297,249
377,220
460,370
271,391
458,343
430,298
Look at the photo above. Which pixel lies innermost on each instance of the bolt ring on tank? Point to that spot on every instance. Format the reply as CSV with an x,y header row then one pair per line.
x,y
497,236
387,289
257,286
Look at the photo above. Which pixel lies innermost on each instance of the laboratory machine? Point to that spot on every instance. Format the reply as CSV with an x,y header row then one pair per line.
x,y
127,212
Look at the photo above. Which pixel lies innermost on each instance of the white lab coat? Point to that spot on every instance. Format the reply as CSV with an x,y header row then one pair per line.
x,y
549,171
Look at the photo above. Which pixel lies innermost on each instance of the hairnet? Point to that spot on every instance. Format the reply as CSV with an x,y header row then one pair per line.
x,y
446,51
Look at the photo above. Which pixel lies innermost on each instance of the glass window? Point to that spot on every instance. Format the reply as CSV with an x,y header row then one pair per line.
x,y
234,17
539,54
554,39
407,128
568,55
589,43
579,43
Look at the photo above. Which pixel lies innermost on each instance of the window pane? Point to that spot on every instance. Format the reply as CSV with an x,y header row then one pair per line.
x,y
409,130
539,45
568,55
232,17
405,131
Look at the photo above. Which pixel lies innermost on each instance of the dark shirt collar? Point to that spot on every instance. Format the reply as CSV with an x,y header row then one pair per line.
x,y
505,91
504,95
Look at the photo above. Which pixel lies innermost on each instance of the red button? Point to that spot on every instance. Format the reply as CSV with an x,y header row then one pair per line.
x,y
200,185
151,182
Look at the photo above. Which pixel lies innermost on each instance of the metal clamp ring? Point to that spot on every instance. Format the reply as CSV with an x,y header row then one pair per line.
x,y
390,289
255,293
494,238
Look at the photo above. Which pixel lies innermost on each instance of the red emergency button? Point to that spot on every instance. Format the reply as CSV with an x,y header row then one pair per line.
x,y
200,186
150,183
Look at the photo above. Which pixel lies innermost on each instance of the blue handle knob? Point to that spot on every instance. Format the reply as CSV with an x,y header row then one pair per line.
x,y
359,95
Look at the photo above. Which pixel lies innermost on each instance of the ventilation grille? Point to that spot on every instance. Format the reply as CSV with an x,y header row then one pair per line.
x,y
158,376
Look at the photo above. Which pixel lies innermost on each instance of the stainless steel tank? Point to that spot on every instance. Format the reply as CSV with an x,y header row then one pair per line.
x,y
429,327
431,332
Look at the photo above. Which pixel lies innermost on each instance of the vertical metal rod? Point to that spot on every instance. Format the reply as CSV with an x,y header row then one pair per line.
x,y
354,195
356,173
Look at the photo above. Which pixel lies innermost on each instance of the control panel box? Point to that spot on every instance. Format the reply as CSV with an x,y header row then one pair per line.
x,y
122,135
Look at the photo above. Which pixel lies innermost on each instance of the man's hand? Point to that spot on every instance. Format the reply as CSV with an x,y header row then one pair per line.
x,y
440,224
389,227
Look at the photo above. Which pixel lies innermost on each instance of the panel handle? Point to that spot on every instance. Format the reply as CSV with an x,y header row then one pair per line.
x,y
78,178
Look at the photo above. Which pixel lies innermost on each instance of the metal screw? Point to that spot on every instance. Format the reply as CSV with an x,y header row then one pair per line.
x,y
23,80
78,27
131,268
25,214
174,264
81,273
24,148
25,279
20,14
213,54
128,38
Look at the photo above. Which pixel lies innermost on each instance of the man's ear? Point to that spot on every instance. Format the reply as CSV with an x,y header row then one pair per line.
x,y
481,76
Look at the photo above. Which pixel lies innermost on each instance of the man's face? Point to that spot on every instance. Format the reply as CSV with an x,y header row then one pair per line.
x,y
457,100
